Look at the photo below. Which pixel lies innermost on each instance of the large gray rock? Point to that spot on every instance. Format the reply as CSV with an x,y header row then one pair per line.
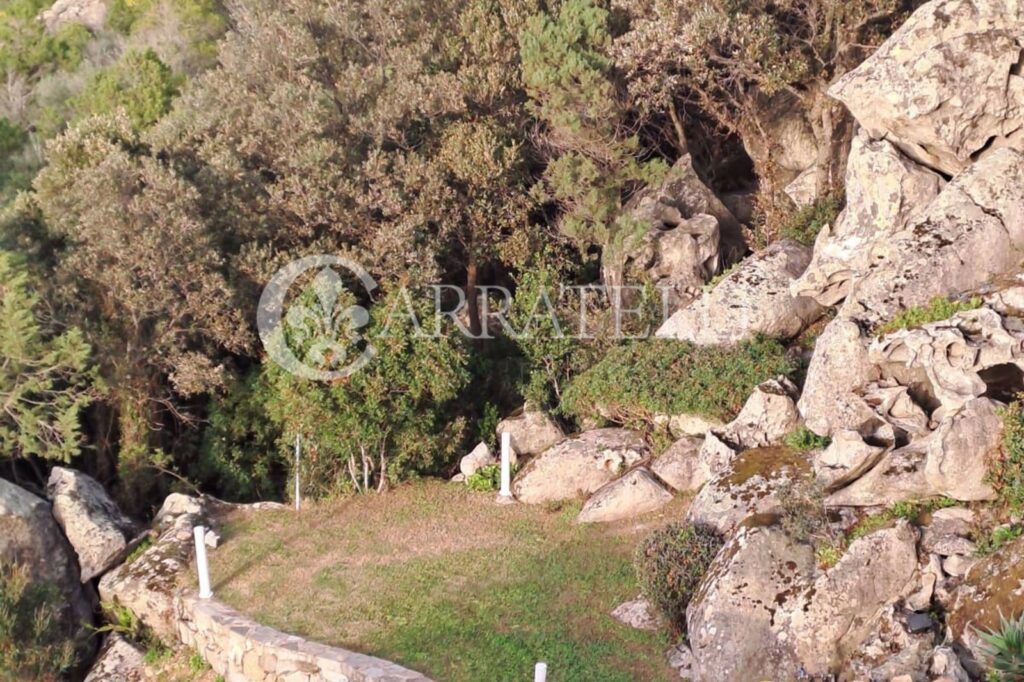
x,y
677,466
946,86
90,13
752,299
638,492
884,190
30,537
839,367
91,521
992,587
748,486
970,234
960,357
830,619
578,465
961,450
899,476
731,618
532,431
846,459
480,457
119,661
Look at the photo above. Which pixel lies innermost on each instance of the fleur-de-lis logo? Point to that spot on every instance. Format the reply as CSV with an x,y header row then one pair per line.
x,y
318,336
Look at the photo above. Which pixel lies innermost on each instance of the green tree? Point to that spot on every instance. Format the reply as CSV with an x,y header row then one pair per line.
x,y
384,422
594,158
139,83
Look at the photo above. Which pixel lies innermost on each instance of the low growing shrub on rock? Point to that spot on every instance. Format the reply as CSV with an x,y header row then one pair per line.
x,y
804,224
670,563
939,308
805,440
638,381
33,643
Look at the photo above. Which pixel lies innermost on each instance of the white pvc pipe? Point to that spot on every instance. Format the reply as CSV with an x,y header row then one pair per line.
x,y
540,672
202,566
506,464
297,455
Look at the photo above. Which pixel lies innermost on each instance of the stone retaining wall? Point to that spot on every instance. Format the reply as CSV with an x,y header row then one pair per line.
x,y
243,650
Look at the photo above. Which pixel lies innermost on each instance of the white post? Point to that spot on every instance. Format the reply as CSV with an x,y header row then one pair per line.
x,y
202,567
506,464
540,672
297,458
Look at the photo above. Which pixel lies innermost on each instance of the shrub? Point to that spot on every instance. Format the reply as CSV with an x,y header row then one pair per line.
x,y
804,224
997,537
485,479
140,83
803,440
939,308
1006,473
1005,648
34,644
637,381
670,563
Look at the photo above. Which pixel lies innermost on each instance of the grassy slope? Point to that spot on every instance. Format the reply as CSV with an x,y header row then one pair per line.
x,y
447,582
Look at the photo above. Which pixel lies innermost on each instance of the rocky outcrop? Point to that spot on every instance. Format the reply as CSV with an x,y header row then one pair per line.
x,y
90,13
960,358
972,233
845,459
638,492
91,521
962,449
30,537
579,465
946,87
148,584
118,660
638,614
532,432
898,476
884,190
752,299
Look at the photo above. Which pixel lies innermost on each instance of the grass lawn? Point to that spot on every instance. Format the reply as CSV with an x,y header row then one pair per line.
x,y
447,582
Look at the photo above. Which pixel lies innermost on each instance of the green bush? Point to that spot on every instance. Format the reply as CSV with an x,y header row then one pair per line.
x,y
993,540
670,563
139,83
34,644
804,440
939,308
637,381
805,223
1005,648
1006,473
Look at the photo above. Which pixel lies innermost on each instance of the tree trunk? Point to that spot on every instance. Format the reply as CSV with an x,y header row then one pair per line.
x,y
472,295
137,480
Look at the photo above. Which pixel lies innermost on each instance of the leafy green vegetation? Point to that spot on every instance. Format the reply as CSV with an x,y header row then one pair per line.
x,y
440,579
993,540
635,382
1004,648
804,440
139,83
485,479
670,563
806,222
139,550
1006,473
34,642
939,308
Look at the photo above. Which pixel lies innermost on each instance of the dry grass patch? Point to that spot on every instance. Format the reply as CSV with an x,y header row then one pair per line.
x,y
443,580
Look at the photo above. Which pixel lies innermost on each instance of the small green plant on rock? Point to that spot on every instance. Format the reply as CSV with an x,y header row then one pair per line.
x,y
804,224
804,440
939,308
670,563
1006,473
486,479
1004,647
993,540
